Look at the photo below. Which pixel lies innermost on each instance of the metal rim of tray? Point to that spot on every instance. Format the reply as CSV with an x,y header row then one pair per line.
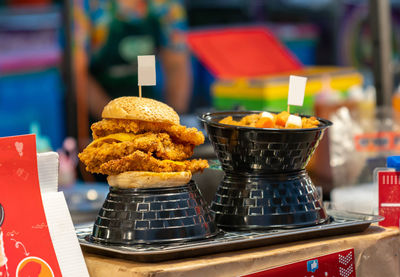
x,y
343,223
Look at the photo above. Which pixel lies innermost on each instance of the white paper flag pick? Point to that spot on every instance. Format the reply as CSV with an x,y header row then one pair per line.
x,y
147,70
297,87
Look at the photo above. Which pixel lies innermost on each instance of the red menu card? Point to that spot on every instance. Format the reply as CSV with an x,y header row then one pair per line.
x,y
339,264
26,247
389,198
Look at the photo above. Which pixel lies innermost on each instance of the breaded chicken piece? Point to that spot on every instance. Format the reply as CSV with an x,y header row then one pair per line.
x,y
311,122
229,120
278,121
161,145
249,120
178,133
140,161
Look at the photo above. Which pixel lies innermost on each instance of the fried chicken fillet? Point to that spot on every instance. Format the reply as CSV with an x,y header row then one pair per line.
x,y
141,135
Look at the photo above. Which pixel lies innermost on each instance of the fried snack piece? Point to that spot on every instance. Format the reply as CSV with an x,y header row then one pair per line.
x,y
311,122
250,120
280,119
177,132
278,122
229,120
265,122
140,161
160,145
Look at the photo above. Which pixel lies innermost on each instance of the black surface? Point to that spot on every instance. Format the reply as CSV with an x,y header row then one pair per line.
x,y
159,257
270,201
131,216
341,223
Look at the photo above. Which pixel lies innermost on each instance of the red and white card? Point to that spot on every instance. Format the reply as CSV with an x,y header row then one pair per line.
x,y
339,264
389,197
37,237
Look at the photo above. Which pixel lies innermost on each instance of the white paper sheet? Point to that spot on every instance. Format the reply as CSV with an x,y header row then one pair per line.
x,y
61,228
48,171
63,236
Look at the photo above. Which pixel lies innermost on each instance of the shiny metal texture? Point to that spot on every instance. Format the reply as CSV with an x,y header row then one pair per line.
x,y
261,151
265,184
270,201
131,216
342,222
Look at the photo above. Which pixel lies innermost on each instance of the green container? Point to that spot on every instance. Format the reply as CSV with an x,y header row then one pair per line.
x,y
275,105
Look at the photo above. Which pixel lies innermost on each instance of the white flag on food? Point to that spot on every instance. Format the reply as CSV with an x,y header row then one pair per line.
x,y
297,87
147,70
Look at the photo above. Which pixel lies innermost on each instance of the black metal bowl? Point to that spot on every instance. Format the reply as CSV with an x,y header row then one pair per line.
x,y
259,150
265,184
159,215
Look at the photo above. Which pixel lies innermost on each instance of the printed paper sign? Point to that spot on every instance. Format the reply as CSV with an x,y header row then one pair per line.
x,y
339,264
377,141
389,198
147,70
26,247
297,87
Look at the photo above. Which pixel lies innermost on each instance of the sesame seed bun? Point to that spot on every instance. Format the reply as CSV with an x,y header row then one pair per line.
x,y
140,108
146,179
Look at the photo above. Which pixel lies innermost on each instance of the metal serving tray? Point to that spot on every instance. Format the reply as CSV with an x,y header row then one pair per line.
x,y
342,222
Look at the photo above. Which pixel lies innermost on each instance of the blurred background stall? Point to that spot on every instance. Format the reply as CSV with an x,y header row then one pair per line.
x,y
31,87
239,53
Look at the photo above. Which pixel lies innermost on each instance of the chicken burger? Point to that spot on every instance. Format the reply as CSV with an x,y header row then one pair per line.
x,y
140,143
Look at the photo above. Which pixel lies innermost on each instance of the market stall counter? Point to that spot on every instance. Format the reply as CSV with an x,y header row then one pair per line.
x,y
376,253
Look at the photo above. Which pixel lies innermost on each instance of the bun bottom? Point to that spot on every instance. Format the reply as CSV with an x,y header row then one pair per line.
x,y
146,179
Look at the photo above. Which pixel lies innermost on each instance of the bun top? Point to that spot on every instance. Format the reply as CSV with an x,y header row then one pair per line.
x,y
137,108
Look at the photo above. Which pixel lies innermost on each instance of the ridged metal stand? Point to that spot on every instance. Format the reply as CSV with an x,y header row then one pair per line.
x,y
158,215
270,201
265,184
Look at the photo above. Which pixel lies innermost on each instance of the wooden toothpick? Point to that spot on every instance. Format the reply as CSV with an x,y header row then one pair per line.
x,y
140,91
288,108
